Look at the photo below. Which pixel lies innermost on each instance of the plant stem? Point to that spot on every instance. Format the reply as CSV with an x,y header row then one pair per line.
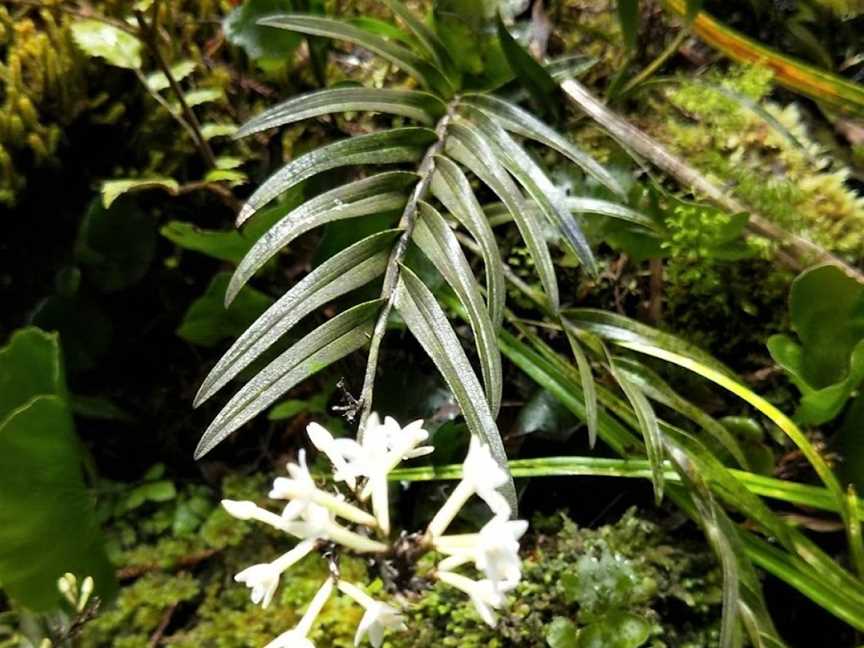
x,y
656,64
801,251
147,34
391,277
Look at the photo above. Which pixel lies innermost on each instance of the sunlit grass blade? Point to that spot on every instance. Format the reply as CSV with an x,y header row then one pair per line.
x,y
439,244
349,269
659,390
399,56
588,389
647,424
429,324
804,495
373,195
419,106
820,85
331,341
451,187
471,150
385,147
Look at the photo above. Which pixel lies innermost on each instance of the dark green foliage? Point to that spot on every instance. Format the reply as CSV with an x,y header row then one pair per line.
x,y
47,524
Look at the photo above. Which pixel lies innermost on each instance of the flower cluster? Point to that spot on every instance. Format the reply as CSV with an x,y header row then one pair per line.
x,y
320,518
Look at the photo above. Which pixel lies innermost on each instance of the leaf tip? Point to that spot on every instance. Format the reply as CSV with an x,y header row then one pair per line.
x,y
245,214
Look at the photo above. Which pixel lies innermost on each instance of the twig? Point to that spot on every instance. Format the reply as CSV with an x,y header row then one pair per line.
x,y
391,277
799,250
156,637
149,37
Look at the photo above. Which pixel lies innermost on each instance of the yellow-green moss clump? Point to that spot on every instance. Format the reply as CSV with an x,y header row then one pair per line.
x,y
776,169
177,584
44,88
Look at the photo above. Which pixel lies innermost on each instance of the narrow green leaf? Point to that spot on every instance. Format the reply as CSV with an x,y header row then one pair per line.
x,y
349,269
470,148
420,106
659,390
693,9
648,425
426,37
541,87
523,123
628,17
429,324
618,328
375,194
451,187
385,147
336,338
399,56
436,241
538,185
587,380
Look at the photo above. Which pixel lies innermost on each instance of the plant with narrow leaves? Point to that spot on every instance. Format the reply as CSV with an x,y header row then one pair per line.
x,y
458,133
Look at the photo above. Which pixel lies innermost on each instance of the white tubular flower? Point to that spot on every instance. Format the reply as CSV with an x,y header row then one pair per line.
x,y
298,636
494,551
263,579
379,617
481,474
485,597
301,489
246,510
335,451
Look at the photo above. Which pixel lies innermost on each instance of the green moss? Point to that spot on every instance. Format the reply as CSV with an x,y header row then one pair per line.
x,y
800,186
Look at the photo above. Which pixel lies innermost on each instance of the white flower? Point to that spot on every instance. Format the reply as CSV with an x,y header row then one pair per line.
x,y
245,510
297,637
335,449
378,618
481,474
485,597
264,578
485,475
494,551
302,488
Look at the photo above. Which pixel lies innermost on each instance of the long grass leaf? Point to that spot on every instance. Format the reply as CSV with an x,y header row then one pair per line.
x,y
385,147
439,244
419,106
429,324
347,270
375,194
331,341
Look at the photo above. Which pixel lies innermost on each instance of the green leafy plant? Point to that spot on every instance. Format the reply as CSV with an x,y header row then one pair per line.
x,y
458,131
827,312
47,523
468,144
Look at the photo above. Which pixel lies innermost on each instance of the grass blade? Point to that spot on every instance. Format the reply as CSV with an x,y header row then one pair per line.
x,y
331,341
385,147
439,244
338,275
419,106
375,194
429,324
